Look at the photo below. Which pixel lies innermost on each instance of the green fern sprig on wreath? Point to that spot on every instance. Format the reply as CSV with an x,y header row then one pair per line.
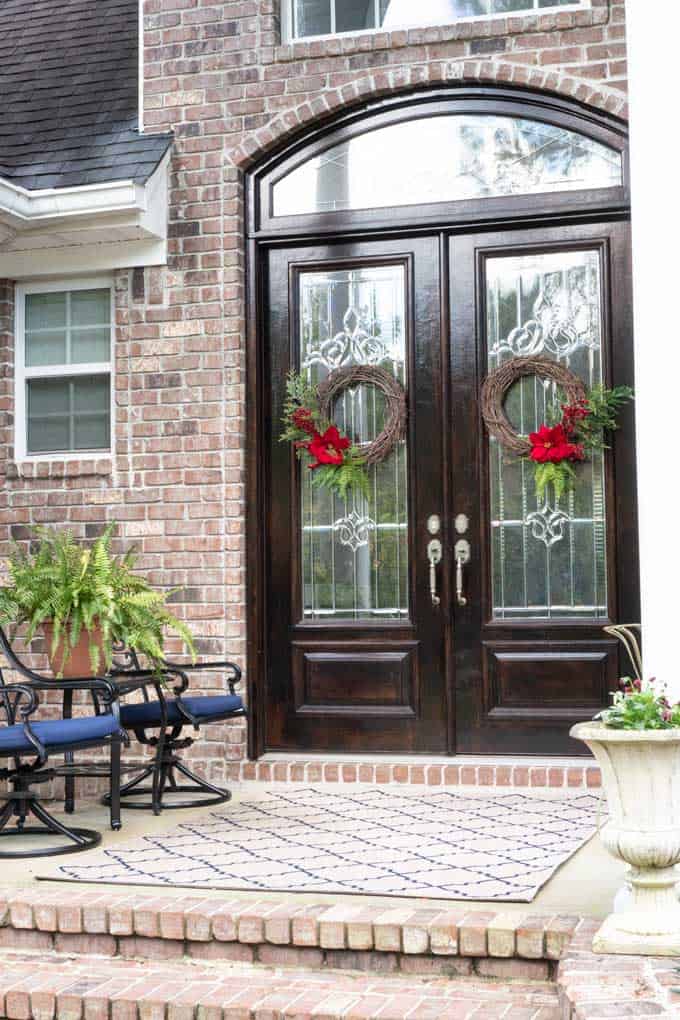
x,y
337,463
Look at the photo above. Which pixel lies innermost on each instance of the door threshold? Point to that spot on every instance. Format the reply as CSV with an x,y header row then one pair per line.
x,y
425,759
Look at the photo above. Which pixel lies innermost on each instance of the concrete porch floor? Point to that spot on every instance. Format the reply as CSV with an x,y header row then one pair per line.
x,y
585,885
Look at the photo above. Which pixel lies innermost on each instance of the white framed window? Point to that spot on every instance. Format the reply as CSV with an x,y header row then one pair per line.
x,y
303,19
64,369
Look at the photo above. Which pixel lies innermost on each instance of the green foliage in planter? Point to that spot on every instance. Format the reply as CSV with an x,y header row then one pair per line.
x,y
639,705
79,587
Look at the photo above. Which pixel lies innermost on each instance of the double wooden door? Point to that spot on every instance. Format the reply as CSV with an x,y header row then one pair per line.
x,y
450,611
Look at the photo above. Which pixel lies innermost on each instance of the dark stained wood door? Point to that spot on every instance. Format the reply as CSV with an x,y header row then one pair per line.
x,y
359,656
543,579
355,657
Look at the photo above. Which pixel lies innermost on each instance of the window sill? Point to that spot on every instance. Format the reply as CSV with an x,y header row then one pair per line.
x,y
64,467
490,27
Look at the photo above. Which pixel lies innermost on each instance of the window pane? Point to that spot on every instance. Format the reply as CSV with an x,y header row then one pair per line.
x,y
68,328
48,396
91,307
48,435
45,311
90,345
355,551
91,432
92,394
548,560
478,156
312,17
511,6
47,347
353,15
68,414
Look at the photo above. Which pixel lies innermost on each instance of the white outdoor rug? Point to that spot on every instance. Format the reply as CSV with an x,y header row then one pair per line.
x,y
445,845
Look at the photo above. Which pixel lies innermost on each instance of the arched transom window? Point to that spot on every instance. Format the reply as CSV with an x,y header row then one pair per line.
x,y
447,158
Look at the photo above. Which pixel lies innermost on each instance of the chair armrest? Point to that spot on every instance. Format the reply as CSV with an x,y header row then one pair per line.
x,y
153,676
83,683
233,681
11,696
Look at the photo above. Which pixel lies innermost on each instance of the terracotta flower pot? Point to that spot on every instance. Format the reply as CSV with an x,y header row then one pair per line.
x,y
77,662
641,777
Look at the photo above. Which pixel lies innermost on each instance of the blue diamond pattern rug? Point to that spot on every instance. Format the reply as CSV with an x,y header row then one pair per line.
x,y
445,845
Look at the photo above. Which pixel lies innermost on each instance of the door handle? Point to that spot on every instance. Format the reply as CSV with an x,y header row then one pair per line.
x,y
434,556
462,553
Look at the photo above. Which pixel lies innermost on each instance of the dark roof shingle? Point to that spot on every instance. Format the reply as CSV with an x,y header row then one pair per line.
x,y
68,94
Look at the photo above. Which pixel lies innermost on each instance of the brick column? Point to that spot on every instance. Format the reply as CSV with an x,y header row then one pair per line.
x,y
656,228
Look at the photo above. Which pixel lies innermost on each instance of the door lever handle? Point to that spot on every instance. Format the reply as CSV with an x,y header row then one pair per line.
x,y
462,553
434,556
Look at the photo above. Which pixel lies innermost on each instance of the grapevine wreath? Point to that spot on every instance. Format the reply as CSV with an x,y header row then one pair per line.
x,y
556,447
337,463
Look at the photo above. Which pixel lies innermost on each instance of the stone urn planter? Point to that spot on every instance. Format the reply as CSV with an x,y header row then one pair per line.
x,y
641,777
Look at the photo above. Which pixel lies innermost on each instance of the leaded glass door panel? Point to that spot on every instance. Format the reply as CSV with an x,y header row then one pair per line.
x,y
544,577
357,640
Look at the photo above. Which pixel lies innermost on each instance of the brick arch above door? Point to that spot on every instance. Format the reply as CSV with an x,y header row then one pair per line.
x,y
329,102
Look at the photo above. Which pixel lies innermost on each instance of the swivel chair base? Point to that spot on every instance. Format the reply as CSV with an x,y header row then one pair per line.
x,y
21,804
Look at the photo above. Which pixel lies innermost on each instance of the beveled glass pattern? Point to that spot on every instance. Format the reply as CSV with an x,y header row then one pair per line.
x,y
444,159
323,17
355,551
547,561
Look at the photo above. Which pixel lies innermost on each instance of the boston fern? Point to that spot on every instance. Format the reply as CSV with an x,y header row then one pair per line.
x,y
78,588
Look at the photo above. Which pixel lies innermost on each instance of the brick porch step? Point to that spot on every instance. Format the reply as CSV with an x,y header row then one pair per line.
x,y
446,938
59,987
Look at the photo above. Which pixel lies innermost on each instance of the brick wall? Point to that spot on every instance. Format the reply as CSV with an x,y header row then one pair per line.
x,y
216,74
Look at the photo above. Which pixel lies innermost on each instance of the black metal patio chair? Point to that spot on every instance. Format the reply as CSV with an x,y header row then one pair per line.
x,y
31,743
158,722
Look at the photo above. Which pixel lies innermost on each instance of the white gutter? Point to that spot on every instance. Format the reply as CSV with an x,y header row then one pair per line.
x,y
23,209
119,221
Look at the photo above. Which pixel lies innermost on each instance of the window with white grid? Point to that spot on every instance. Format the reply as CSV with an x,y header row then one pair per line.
x,y
63,368
305,18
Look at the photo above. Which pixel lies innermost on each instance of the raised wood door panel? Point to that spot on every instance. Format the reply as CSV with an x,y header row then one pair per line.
x,y
355,645
531,657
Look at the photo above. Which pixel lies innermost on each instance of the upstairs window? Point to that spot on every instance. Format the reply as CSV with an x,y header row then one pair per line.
x,y
63,369
307,18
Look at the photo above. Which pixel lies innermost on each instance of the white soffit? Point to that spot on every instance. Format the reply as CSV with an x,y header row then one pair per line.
x,y
97,226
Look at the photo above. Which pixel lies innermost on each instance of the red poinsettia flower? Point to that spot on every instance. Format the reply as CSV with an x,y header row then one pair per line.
x,y
328,448
546,443
551,445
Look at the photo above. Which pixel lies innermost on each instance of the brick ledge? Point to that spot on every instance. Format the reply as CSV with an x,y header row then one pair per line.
x,y
346,770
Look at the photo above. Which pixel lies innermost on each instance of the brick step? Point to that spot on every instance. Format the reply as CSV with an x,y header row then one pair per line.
x,y
419,771
62,987
447,939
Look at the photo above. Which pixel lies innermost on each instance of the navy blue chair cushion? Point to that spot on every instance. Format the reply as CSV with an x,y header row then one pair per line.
x,y
203,707
55,734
